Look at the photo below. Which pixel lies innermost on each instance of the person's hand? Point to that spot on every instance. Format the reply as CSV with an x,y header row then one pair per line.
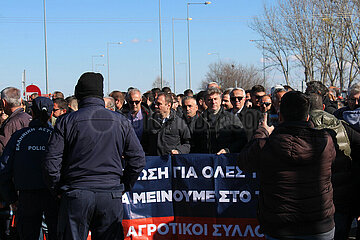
x,y
222,151
174,152
14,206
263,123
248,104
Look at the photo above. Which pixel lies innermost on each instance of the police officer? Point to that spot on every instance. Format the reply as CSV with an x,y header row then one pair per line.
x,y
20,170
93,157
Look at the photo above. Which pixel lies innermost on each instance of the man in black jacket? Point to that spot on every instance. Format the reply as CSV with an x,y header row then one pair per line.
x,y
216,130
93,157
191,113
166,132
249,117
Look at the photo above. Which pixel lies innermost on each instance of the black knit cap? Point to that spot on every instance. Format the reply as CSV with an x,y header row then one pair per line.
x,y
90,84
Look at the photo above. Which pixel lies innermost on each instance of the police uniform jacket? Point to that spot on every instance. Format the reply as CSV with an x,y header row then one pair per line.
x,y
20,167
93,148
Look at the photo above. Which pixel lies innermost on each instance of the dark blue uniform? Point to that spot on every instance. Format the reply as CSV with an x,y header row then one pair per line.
x,y
93,156
20,170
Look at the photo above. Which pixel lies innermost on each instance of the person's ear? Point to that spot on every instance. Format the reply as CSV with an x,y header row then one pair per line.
x,y
308,117
323,107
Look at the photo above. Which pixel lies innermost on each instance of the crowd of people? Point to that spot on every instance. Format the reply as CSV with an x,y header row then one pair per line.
x,y
304,146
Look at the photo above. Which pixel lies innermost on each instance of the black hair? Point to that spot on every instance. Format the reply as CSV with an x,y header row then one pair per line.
x,y
62,103
188,92
200,95
257,88
294,106
150,96
316,87
166,90
316,101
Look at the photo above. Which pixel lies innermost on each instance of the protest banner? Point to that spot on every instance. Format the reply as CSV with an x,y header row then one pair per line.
x,y
193,196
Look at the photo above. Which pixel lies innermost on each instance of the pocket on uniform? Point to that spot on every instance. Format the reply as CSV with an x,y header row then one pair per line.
x,y
117,194
72,194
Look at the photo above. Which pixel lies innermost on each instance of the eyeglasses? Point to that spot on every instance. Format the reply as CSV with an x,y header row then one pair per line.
x,y
258,97
233,99
266,104
132,102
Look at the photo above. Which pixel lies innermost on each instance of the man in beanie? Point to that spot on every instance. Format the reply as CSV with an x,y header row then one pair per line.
x,y
20,171
93,157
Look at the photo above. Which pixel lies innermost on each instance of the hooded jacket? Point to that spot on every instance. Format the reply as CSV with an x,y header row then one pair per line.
x,y
342,166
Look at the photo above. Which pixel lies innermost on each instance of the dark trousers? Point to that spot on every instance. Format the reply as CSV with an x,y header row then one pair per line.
x,y
100,212
32,206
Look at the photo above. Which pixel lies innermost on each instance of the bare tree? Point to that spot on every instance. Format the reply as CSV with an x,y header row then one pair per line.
x,y
323,36
273,41
229,75
157,83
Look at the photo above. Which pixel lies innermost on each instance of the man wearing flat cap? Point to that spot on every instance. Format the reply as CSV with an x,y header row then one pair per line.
x,y
92,158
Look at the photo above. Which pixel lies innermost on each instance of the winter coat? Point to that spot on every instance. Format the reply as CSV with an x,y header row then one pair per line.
x,y
294,168
214,132
20,167
93,148
16,121
160,138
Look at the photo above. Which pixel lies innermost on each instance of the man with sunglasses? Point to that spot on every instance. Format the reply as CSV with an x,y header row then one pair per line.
x,y
137,112
256,93
249,117
265,104
60,108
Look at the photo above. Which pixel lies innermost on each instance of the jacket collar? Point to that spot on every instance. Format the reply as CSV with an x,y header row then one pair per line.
x,y
17,111
91,101
37,123
302,124
207,113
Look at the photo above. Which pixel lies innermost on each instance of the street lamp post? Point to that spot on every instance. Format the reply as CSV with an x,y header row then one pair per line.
x,y
188,32
92,60
215,53
173,48
161,61
263,53
108,61
99,65
46,58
